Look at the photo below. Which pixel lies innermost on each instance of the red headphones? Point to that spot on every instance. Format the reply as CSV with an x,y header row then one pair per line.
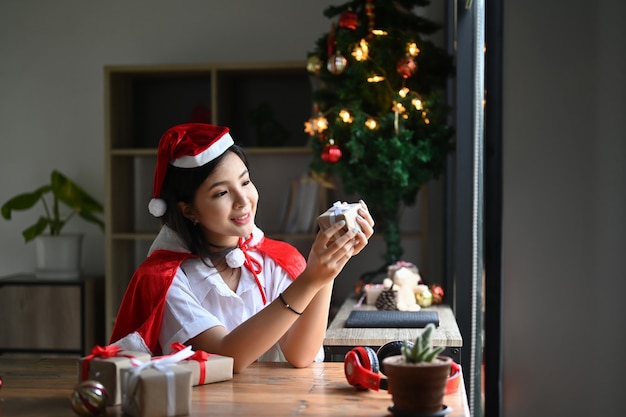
x,y
362,366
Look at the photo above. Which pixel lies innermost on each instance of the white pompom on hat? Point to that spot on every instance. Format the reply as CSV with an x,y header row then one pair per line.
x,y
188,145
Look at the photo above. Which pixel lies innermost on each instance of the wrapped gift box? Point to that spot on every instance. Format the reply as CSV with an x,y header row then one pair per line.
x,y
159,388
216,368
372,292
206,368
156,392
104,365
340,211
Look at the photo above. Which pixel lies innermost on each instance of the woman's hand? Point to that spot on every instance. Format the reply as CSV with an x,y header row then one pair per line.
x,y
366,222
331,250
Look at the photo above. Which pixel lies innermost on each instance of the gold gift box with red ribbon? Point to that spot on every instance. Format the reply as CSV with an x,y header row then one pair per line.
x,y
206,368
104,365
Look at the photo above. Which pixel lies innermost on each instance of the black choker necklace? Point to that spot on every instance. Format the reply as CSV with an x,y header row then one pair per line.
x,y
221,246
218,256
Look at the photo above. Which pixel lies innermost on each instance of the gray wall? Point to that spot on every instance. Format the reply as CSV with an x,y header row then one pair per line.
x,y
52,56
564,206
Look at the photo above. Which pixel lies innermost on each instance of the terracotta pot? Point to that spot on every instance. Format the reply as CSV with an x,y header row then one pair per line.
x,y
417,388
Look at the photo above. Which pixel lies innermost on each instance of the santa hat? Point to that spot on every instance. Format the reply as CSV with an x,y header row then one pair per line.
x,y
188,145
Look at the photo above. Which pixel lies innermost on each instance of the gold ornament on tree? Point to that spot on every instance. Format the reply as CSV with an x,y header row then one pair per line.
x,y
336,63
314,64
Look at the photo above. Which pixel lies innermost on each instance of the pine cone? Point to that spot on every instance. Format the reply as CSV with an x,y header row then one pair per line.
x,y
387,299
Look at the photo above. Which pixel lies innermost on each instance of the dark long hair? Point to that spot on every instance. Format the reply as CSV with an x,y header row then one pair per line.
x,y
180,185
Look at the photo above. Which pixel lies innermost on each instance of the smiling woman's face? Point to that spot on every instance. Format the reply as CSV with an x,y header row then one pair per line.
x,y
225,203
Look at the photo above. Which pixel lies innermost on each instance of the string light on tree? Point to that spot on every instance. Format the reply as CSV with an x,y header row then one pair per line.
x,y
375,79
361,51
412,49
371,123
346,116
398,107
321,123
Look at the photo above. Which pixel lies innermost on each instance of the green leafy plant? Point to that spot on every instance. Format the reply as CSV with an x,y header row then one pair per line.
x,y
422,349
60,190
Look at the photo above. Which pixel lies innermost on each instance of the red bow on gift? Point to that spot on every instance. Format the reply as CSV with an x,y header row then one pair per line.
x,y
109,351
198,355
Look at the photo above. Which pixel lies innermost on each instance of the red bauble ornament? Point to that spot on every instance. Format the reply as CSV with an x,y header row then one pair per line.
x,y
336,63
437,292
331,154
348,20
406,66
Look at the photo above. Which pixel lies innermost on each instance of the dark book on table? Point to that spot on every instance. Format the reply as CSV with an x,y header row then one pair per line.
x,y
392,318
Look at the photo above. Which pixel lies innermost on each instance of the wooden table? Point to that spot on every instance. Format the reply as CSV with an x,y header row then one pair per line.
x,y
339,339
42,386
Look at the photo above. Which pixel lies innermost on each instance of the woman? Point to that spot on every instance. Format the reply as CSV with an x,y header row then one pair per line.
x,y
211,279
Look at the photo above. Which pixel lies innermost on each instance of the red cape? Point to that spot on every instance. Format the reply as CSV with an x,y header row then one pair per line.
x,y
143,304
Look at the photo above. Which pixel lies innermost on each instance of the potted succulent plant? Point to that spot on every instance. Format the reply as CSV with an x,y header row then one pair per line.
x,y
58,254
417,377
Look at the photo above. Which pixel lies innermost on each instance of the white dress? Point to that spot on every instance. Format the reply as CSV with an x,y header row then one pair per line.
x,y
199,299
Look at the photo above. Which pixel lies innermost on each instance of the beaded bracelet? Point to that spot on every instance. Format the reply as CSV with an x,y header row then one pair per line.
x,y
287,305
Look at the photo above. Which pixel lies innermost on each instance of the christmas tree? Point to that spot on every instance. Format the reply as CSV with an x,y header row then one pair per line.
x,y
380,119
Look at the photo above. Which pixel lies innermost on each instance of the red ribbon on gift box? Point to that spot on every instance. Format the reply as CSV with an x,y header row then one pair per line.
x,y
199,355
110,351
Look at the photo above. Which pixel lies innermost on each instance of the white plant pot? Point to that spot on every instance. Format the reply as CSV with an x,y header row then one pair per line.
x,y
58,256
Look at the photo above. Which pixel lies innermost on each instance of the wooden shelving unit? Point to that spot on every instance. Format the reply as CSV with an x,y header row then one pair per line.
x,y
144,101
